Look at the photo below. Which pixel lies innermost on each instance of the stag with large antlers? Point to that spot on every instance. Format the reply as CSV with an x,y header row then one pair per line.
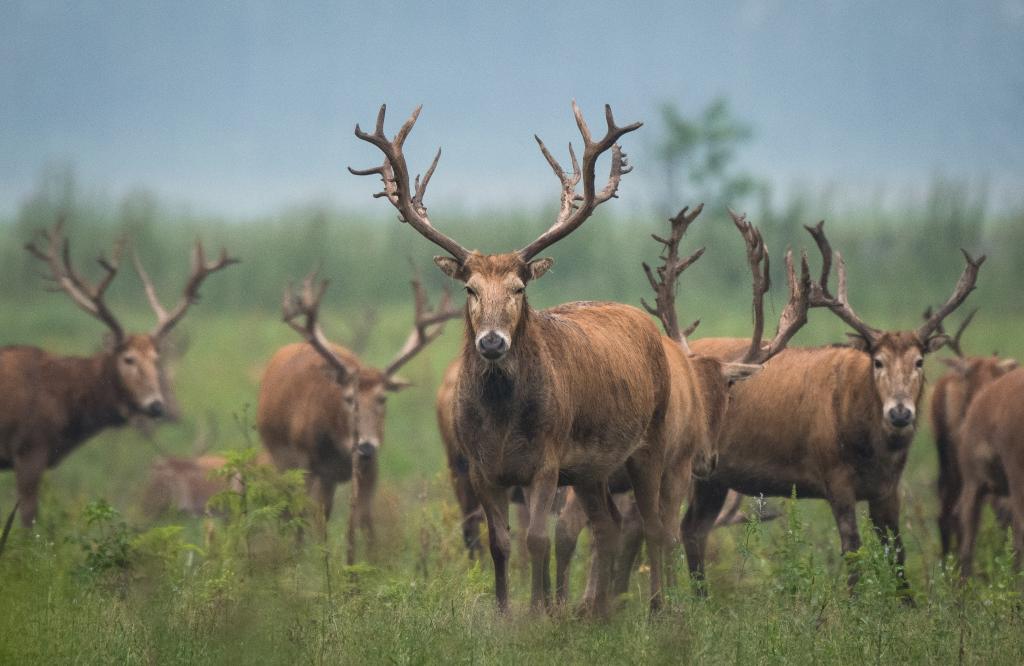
x,y
49,405
833,422
321,409
700,387
953,394
565,395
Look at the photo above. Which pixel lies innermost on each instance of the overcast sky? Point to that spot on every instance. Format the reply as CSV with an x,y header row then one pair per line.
x,y
246,107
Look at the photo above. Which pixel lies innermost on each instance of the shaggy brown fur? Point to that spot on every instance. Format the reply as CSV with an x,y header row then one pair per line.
x,y
990,452
953,394
813,420
182,484
50,405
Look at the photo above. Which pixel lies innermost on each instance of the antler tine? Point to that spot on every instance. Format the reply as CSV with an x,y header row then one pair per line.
x,y
147,285
428,324
838,304
964,286
201,269
794,315
395,175
87,297
954,342
663,279
575,209
306,304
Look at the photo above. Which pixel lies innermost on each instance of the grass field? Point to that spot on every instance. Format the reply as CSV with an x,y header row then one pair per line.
x,y
99,585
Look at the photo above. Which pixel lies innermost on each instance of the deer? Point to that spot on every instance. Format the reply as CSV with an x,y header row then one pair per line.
x,y
832,423
53,404
701,386
951,397
990,456
560,396
321,409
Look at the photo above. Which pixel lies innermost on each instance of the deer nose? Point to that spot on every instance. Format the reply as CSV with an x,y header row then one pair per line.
x,y
155,408
366,449
492,346
900,416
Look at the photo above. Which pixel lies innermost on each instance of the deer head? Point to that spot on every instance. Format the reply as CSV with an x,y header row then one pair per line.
x,y
134,359
496,283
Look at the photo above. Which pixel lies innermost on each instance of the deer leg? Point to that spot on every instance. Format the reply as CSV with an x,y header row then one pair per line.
x,y
844,510
539,498
705,505
949,490
28,474
495,504
885,516
632,539
571,521
364,482
968,511
593,496
645,477
674,485
521,532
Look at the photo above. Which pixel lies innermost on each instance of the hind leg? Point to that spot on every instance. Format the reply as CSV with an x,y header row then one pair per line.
x,y
571,521
645,477
705,505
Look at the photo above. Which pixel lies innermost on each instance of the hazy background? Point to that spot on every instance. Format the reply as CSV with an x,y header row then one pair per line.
x,y
244,108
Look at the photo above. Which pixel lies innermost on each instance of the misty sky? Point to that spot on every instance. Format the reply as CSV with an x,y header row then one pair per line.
x,y
246,107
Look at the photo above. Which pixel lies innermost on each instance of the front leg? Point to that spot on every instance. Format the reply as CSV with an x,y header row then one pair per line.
x,y
571,521
596,503
885,516
539,498
364,484
494,501
843,503
28,474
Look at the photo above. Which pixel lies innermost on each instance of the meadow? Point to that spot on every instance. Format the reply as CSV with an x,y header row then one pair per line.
x,y
97,581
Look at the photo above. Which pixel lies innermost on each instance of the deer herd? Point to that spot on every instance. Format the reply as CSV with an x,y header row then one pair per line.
x,y
638,423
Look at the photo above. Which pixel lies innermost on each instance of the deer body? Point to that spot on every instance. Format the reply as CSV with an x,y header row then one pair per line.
x,y
50,405
990,455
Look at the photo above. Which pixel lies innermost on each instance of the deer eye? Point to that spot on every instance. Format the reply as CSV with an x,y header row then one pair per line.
x,y
129,360
471,291
919,363
518,291
878,364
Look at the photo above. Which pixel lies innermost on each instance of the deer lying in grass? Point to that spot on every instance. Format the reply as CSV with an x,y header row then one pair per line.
x,y
990,453
565,395
953,394
834,423
322,410
52,404
700,387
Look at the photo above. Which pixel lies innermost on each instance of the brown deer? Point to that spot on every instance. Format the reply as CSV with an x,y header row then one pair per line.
x,y
990,453
52,404
565,395
700,387
833,423
952,395
322,410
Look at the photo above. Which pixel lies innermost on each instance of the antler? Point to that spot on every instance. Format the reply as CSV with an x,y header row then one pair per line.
x,y
664,285
427,326
575,209
954,341
395,175
86,296
839,304
794,315
964,286
306,304
201,269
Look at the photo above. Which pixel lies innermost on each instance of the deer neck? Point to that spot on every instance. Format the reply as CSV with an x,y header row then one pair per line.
x,y
96,399
500,382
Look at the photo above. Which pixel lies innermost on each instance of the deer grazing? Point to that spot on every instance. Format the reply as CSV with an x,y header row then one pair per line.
x,y
565,395
833,422
52,404
322,410
700,387
952,395
990,453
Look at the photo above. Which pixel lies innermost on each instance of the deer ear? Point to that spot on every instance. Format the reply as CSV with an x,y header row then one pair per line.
x,y
858,341
737,372
935,343
396,384
450,267
539,267
1008,364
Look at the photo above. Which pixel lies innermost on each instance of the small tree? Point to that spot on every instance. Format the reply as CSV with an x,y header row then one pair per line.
x,y
701,151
